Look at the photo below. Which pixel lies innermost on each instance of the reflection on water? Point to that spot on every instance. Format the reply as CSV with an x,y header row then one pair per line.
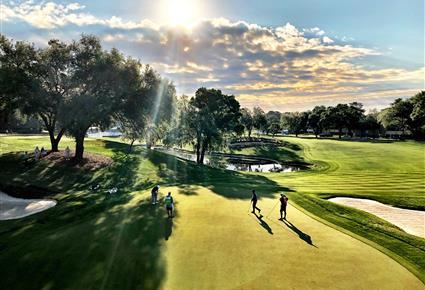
x,y
234,163
267,167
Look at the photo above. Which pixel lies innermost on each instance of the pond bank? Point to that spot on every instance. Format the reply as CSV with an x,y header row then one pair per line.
x,y
237,162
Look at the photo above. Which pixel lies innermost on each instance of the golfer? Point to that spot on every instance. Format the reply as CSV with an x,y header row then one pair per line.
x,y
283,203
169,205
254,200
154,193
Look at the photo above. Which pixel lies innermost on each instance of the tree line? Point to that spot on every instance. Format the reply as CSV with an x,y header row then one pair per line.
x,y
404,115
207,119
73,86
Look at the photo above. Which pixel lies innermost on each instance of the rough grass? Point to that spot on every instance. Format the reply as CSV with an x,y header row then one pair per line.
x,y
91,240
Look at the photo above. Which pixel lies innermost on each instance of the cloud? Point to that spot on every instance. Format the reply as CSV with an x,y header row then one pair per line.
x,y
327,40
315,30
282,67
49,15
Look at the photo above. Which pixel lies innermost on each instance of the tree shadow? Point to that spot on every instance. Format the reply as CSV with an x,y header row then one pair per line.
x,y
106,245
91,239
350,139
278,153
303,236
230,184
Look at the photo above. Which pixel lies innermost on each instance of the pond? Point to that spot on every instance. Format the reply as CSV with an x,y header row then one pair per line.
x,y
15,208
234,162
411,221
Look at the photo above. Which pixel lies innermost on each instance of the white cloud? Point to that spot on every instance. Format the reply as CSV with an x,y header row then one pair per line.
x,y
315,30
272,67
327,40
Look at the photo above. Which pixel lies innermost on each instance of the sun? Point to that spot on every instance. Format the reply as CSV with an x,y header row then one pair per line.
x,y
181,12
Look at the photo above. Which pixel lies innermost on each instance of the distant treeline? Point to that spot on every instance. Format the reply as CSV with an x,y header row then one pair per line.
x,y
404,118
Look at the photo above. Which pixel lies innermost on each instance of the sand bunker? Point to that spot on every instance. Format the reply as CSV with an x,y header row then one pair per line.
x,y
411,221
15,208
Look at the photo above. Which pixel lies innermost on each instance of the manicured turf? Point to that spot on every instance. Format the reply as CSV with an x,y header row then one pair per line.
x,y
93,241
390,172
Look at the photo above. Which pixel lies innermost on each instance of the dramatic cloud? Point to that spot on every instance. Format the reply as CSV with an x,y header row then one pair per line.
x,y
282,67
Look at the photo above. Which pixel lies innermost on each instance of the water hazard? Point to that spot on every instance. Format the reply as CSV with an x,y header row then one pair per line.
x,y
234,162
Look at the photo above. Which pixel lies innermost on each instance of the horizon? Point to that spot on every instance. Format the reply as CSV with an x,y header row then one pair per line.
x,y
269,55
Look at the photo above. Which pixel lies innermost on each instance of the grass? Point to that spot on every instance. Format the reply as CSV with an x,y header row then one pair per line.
x,y
391,173
94,241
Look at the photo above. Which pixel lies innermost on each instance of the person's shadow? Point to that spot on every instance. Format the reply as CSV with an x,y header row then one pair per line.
x,y
303,236
264,224
168,228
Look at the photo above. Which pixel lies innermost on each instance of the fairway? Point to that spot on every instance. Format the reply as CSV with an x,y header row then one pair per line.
x,y
390,172
91,240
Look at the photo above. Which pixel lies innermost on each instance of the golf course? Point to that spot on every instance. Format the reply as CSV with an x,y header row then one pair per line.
x,y
93,239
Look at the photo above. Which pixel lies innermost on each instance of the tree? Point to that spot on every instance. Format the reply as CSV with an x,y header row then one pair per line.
x,y
369,125
149,103
102,82
211,114
336,118
181,132
17,64
353,115
274,128
55,70
259,119
247,120
417,115
295,122
400,111
273,122
315,120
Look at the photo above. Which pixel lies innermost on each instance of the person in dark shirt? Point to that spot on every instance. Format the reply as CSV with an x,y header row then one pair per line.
x,y
154,193
283,203
254,200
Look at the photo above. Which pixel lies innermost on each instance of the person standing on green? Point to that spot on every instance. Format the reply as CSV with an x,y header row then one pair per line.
x,y
169,205
154,193
254,200
283,203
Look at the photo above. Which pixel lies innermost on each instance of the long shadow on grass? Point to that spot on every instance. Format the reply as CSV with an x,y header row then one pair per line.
x,y
278,153
231,184
115,248
63,176
263,223
303,236
87,241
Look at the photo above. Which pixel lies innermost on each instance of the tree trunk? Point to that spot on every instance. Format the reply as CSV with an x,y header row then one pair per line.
x,y
198,155
131,145
79,147
50,124
339,133
203,149
55,141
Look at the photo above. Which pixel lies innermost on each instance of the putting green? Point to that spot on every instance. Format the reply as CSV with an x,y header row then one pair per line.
x,y
95,241
216,244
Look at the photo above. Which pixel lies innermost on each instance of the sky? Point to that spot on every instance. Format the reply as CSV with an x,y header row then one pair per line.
x,y
281,55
